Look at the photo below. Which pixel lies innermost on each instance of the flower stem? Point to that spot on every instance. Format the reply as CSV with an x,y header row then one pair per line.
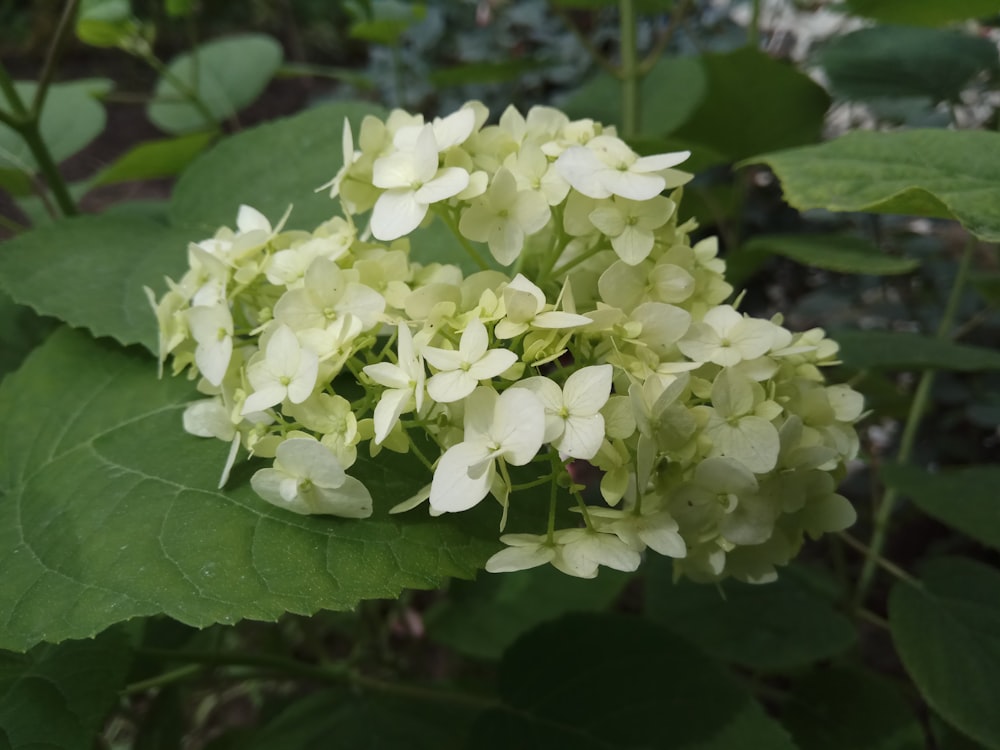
x,y
469,249
629,70
919,405
52,57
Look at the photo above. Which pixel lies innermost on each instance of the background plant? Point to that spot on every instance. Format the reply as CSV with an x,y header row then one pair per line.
x,y
107,512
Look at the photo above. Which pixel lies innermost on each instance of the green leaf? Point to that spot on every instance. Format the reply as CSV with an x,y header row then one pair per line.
x,y
923,12
21,330
901,61
987,283
781,625
245,169
911,351
609,681
669,93
840,253
58,696
936,173
71,118
754,103
154,159
89,272
947,634
179,8
104,23
368,721
486,71
388,21
965,499
108,511
482,619
227,75
946,737
837,708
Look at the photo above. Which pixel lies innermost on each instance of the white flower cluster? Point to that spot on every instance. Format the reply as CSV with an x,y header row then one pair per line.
x,y
608,344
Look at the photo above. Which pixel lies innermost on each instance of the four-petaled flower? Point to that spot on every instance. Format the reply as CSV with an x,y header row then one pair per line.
x,y
460,370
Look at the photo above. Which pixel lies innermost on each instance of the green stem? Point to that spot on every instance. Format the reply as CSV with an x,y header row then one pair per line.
x,y
167,678
332,674
921,400
49,67
629,51
182,88
753,31
890,567
446,216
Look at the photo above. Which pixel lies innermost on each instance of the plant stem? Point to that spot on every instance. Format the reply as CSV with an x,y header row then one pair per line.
x,y
26,124
182,88
49,68
332,674
753,31
629,68
677,16
919,404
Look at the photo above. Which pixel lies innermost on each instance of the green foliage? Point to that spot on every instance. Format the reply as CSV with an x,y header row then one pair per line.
x,y
223,89
754,103
100,290
271,167
71,119
787,624
111,464
839,253
154,159
898,61
483,618
923,12
836,707
911,351
58,696
965,499
933,173
667,694
947,633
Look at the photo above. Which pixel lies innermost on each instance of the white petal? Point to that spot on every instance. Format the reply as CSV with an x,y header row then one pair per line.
x,y
249,219
587,390
490,365
396,213
520,558
387,411
474,341
518,425
557,319
309,459
452,385
452,489
350,500
580,167
582,436
637,187
387,374
656,162
448,182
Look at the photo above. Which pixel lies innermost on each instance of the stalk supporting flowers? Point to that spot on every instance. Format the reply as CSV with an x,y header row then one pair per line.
x,y
605,341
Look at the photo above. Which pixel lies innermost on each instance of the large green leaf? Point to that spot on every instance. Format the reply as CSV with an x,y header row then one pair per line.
x,y
71,118
947,633
784,624
21,330
608,681
965,499
483,618
924,12
270,167
937,173
58,696
89,271
838,708
840,253
109,511
669,94
901,61
911,351
226,74
754,103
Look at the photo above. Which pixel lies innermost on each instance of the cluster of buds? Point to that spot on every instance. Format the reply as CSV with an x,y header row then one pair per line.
x,y
603,349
